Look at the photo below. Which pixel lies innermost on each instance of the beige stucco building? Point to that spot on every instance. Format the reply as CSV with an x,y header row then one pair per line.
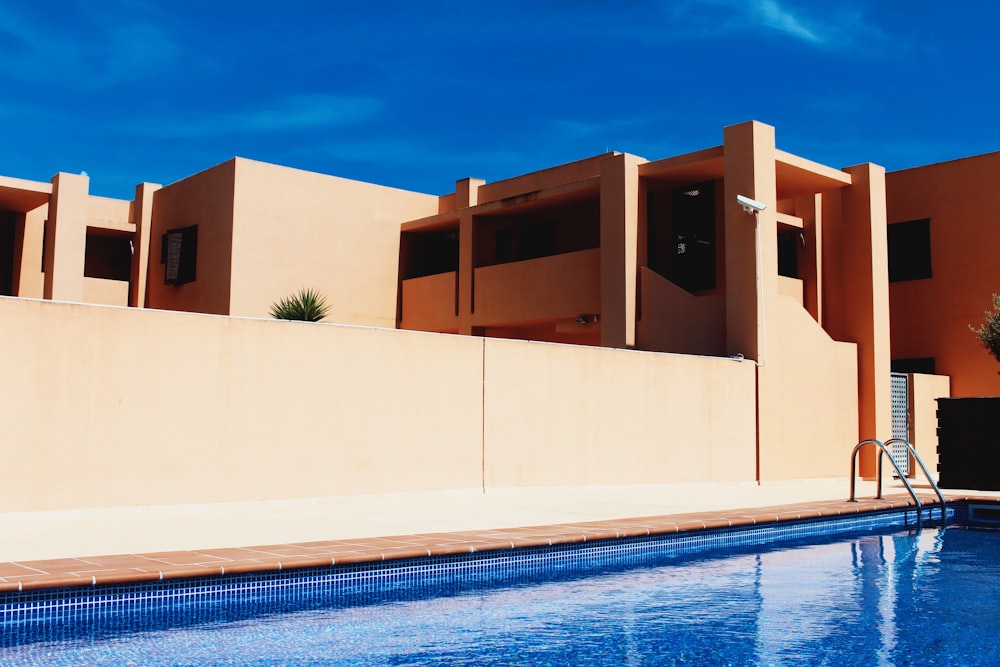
x,y
696,339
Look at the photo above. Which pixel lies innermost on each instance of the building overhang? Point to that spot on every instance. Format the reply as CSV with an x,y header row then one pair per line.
x,y
524,202
20,195
697,167
799,177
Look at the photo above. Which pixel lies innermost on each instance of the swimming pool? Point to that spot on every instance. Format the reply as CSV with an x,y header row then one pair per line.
x,y
794,594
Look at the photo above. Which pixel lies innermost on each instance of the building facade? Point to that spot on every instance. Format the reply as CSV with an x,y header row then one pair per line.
x,y
944,234
614,252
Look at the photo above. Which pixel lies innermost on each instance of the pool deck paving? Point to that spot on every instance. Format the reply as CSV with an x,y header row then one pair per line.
x,y
117,545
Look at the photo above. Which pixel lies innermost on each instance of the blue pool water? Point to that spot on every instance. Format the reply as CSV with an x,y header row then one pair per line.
x,y
882,597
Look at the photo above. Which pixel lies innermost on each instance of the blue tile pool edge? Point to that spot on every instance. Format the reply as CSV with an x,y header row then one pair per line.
x,y
22,613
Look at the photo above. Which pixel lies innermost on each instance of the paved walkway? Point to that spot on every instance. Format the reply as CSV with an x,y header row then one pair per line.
x,y
61,534
86,547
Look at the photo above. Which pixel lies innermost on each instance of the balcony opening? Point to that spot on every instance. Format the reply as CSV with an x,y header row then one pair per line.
x,y
531,241
108,255
7,250
428,253
681,236
501,239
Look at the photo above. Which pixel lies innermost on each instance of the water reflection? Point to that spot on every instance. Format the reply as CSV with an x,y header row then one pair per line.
x,y
902,599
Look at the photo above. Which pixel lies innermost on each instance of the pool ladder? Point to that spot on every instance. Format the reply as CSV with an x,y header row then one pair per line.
x,y
883,448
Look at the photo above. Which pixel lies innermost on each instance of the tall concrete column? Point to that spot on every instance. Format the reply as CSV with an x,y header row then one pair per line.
x,y
619,249
810,209
66,237
142,207
861,275
466,273
466,196
29,281
467,192
749,171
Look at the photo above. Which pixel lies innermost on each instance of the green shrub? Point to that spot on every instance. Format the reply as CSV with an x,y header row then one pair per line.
x,y
988,332
306,305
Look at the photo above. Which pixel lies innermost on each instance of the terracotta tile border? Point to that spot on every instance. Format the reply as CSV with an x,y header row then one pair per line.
x,y
134,568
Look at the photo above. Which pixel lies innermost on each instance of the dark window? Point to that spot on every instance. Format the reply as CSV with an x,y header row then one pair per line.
x,y
909,250
179,252
917,365
108,257
789,243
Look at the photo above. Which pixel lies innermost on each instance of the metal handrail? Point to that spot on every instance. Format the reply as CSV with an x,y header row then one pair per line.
x,y
916,457
885,450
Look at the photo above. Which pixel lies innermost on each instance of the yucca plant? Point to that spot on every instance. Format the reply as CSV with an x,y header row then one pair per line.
x,y
988,332
306,305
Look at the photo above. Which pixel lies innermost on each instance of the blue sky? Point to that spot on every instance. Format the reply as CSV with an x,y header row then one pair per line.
x,y
418,94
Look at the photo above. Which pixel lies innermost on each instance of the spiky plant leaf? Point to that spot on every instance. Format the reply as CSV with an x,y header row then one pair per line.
x,y
306,305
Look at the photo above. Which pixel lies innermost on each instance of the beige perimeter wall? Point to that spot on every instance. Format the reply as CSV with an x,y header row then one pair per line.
x,y
564,414
111,406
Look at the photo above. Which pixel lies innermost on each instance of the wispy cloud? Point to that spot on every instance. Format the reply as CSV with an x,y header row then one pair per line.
x,y
624,133
425,165
773,15
828,25
304,111
83,52
416,153
571,128
295,112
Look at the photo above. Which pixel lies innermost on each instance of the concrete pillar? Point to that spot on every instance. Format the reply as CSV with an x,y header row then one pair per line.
x,y
861,276
142,212
28,278
467,192
32,278
619,249
466,196
466,272
810,209
749,170
66,237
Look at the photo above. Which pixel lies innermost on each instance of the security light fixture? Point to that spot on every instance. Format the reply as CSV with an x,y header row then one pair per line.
x,y
750,205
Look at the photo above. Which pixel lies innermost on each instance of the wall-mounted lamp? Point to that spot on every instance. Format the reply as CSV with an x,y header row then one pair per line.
x,y
751,206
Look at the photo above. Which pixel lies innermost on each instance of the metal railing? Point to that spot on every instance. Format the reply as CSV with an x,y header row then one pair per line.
x,y
883,448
